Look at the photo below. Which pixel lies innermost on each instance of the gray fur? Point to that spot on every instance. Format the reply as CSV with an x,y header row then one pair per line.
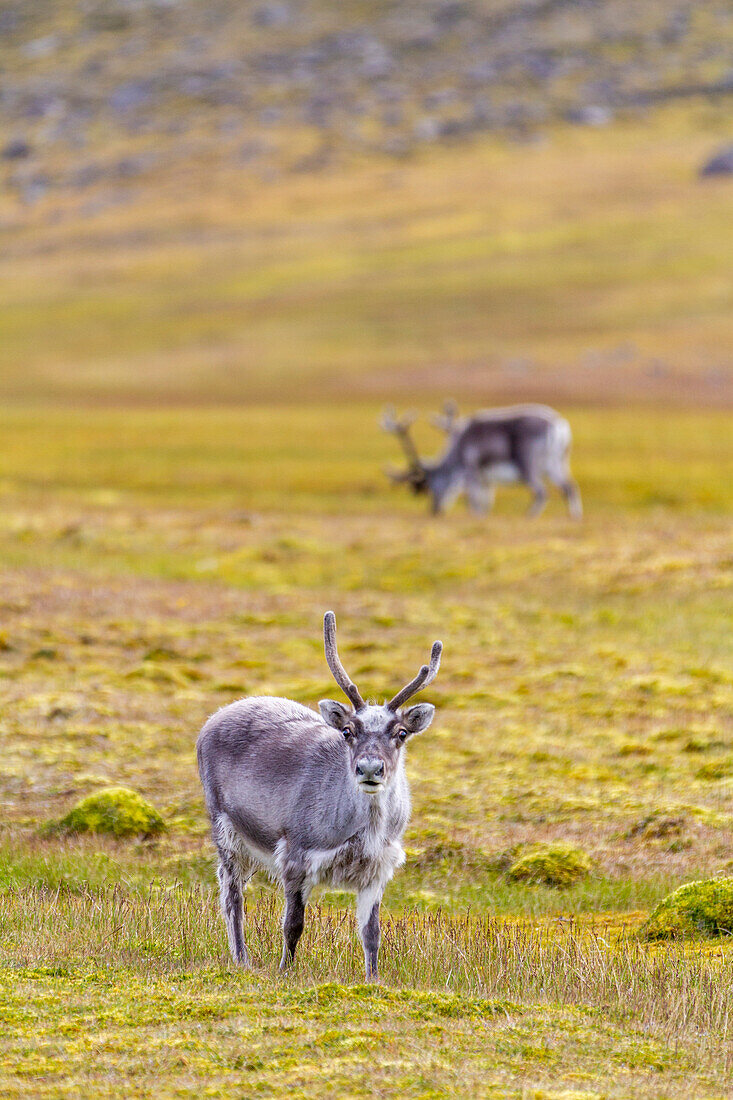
x,y
312,799
525,443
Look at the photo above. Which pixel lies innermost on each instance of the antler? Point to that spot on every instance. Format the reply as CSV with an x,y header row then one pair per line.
x,y
425,676
401,428
332,658
446,420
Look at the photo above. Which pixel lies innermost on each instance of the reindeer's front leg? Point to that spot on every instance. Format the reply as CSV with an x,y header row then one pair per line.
x,y
479,495
539,498
296,896
367,917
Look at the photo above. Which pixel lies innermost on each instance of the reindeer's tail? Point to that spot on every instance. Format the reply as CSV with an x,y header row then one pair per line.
x,y
558,465
561,439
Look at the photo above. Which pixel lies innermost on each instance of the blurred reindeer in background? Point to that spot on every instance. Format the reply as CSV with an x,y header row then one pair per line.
x,y
525,443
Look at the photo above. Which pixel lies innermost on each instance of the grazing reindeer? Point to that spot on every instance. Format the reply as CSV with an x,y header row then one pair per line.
x,y
311,799
526,443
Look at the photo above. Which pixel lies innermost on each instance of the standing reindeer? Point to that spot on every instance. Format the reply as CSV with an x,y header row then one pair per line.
x,y
526,443
311,799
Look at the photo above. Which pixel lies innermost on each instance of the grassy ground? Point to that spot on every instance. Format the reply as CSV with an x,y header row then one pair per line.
x,y
494,273
132,992
157,565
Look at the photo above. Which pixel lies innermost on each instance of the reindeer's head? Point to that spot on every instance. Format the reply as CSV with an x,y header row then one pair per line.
x,y
416,475
417,480
441,478
375,734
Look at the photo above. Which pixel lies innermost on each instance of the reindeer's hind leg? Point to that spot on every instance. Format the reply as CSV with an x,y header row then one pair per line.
x,y
559,474
233,873
571,492
529,460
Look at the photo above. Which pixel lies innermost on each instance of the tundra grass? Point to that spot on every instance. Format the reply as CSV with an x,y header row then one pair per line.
x,y
157,565
593,265
585,693
109,990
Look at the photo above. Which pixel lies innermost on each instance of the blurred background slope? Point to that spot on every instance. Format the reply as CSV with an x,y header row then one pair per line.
x,y
261,201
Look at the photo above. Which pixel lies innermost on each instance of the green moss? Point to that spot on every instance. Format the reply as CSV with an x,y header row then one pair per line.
x,y
116,810
656,826
418,1002
559,865
716,769
702,908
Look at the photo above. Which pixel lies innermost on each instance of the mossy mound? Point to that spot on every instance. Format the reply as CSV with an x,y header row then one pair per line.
x,y
558,865
116,810
656,826
702,908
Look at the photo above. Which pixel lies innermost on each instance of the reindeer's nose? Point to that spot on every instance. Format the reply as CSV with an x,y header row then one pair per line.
x,y
369,769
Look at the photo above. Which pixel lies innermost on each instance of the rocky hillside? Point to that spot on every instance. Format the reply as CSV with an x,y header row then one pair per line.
x,y
104,91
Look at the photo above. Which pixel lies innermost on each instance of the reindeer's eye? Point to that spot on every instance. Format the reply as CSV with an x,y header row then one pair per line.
x,y
348,732
401,734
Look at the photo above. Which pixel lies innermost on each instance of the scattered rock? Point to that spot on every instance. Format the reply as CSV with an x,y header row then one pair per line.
x,y
17,149
450,13
427,128
559,864
720,164
271,15
129,167
116,810
702,908
9,21
430,61
377,62
590,116
131,95
86,176
109,17
41,47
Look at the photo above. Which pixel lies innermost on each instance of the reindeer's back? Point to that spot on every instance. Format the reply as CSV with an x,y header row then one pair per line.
x,y
258,755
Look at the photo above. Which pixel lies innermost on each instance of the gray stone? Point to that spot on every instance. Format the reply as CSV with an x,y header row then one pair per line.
x,y
41,47
593,115
720,164
132,94
16,149
274,14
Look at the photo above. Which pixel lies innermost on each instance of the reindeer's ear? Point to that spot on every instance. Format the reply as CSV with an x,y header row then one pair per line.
x,y
417,718
334,714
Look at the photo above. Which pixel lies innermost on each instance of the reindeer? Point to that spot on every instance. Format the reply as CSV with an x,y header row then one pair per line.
x,y
311,799
526,443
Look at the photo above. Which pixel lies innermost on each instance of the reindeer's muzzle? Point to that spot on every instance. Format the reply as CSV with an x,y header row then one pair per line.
x,y
370,773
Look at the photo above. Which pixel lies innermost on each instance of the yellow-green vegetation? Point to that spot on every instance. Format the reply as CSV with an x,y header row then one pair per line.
x,y
593,266
697,908
560,865
110,989
160,564
116,810
159,561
